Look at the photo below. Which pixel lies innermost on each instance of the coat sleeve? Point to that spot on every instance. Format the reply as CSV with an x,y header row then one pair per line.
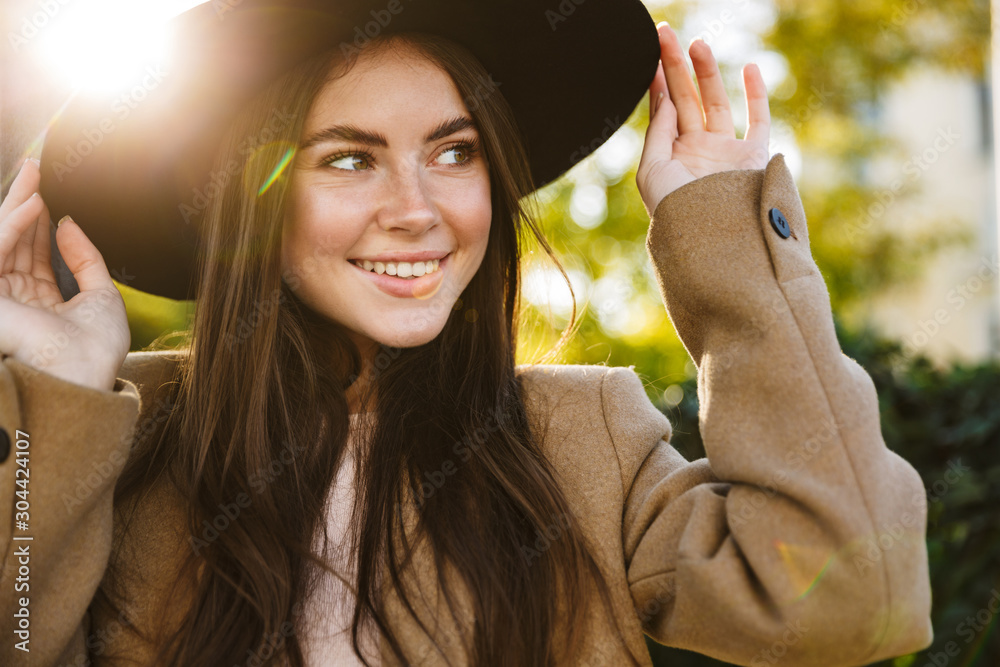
x,y
67,446
801,536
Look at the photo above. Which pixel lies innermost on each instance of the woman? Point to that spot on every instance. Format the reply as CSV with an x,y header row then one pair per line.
x,y
352,358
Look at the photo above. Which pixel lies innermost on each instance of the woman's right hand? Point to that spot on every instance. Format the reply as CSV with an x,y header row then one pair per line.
x,y
83,340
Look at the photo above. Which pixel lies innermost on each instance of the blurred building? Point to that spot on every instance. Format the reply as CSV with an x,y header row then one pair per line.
x,y
944,122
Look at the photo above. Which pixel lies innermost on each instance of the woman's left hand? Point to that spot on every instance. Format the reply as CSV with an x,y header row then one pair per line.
x,y
683,142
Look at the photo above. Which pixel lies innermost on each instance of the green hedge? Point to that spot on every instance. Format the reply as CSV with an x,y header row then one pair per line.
x,y
946,422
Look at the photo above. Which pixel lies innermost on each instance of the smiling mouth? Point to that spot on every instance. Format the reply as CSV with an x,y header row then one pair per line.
x,y
405,270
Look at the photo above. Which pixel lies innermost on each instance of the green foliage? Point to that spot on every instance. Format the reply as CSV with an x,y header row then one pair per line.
x,y
841,58
154,318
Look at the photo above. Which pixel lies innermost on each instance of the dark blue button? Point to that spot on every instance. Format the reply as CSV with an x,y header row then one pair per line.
x,y
4,445
780,223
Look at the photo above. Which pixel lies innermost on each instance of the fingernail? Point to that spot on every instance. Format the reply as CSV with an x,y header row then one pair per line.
x,y
38,163
659,99
62,220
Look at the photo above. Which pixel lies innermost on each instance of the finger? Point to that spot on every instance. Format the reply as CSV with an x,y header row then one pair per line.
x,y
758,109
82,257
657,91
681,87
41,265
25,184
14,226
24,251
718,113
662,129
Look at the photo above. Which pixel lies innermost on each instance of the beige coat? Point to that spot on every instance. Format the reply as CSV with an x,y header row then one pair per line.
x,y
800,538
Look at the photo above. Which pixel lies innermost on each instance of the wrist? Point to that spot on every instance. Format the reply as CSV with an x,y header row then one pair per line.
x,y
99,375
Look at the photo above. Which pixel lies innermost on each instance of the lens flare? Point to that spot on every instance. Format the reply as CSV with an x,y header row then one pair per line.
x,y
286,160
103,45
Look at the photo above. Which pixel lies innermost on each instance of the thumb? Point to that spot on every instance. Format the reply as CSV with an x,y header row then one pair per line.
x,y
662,129
82,257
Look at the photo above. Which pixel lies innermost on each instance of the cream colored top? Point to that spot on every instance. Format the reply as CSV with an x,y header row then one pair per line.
x,y
326,640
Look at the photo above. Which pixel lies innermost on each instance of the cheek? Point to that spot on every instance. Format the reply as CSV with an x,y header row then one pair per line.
x,y
317,225
476,212
294,248
291,229
306,239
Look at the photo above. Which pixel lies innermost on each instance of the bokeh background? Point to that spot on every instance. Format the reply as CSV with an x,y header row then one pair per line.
x,y
884,111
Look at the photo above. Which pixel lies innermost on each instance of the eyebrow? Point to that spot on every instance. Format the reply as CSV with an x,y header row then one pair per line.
x,y
350,132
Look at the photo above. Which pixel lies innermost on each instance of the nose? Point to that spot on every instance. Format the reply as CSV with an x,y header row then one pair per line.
x,y
407,204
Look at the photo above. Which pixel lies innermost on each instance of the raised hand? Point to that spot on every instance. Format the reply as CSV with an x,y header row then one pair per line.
x,y
685,141
83,340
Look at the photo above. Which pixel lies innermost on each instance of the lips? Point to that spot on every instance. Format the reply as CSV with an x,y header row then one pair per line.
x,y
421,287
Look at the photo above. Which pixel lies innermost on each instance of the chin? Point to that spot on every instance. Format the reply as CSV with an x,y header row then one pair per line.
x,y
407,339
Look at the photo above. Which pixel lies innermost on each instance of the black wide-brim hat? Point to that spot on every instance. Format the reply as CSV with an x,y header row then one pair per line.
x,y
125,165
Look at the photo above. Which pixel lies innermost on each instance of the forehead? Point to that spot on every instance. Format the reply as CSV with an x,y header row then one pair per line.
x,y
391,83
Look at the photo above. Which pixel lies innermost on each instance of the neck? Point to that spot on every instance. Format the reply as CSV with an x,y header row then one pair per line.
x,y
359,389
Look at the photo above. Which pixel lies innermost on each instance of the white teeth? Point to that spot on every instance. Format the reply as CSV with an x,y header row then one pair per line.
x,y
400,269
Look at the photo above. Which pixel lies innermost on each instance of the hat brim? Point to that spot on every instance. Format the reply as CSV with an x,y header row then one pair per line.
x,y
126,167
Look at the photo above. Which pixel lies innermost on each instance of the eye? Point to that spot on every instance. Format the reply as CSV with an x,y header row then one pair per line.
x,y
350,161
459,154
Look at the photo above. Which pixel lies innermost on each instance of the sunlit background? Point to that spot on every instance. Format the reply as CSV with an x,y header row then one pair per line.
x,y
864,95
87,42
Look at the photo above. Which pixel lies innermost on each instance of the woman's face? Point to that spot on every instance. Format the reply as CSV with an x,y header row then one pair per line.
x,y
387,185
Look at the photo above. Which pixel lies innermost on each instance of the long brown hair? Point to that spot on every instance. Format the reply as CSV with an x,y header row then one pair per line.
x,y
265,381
